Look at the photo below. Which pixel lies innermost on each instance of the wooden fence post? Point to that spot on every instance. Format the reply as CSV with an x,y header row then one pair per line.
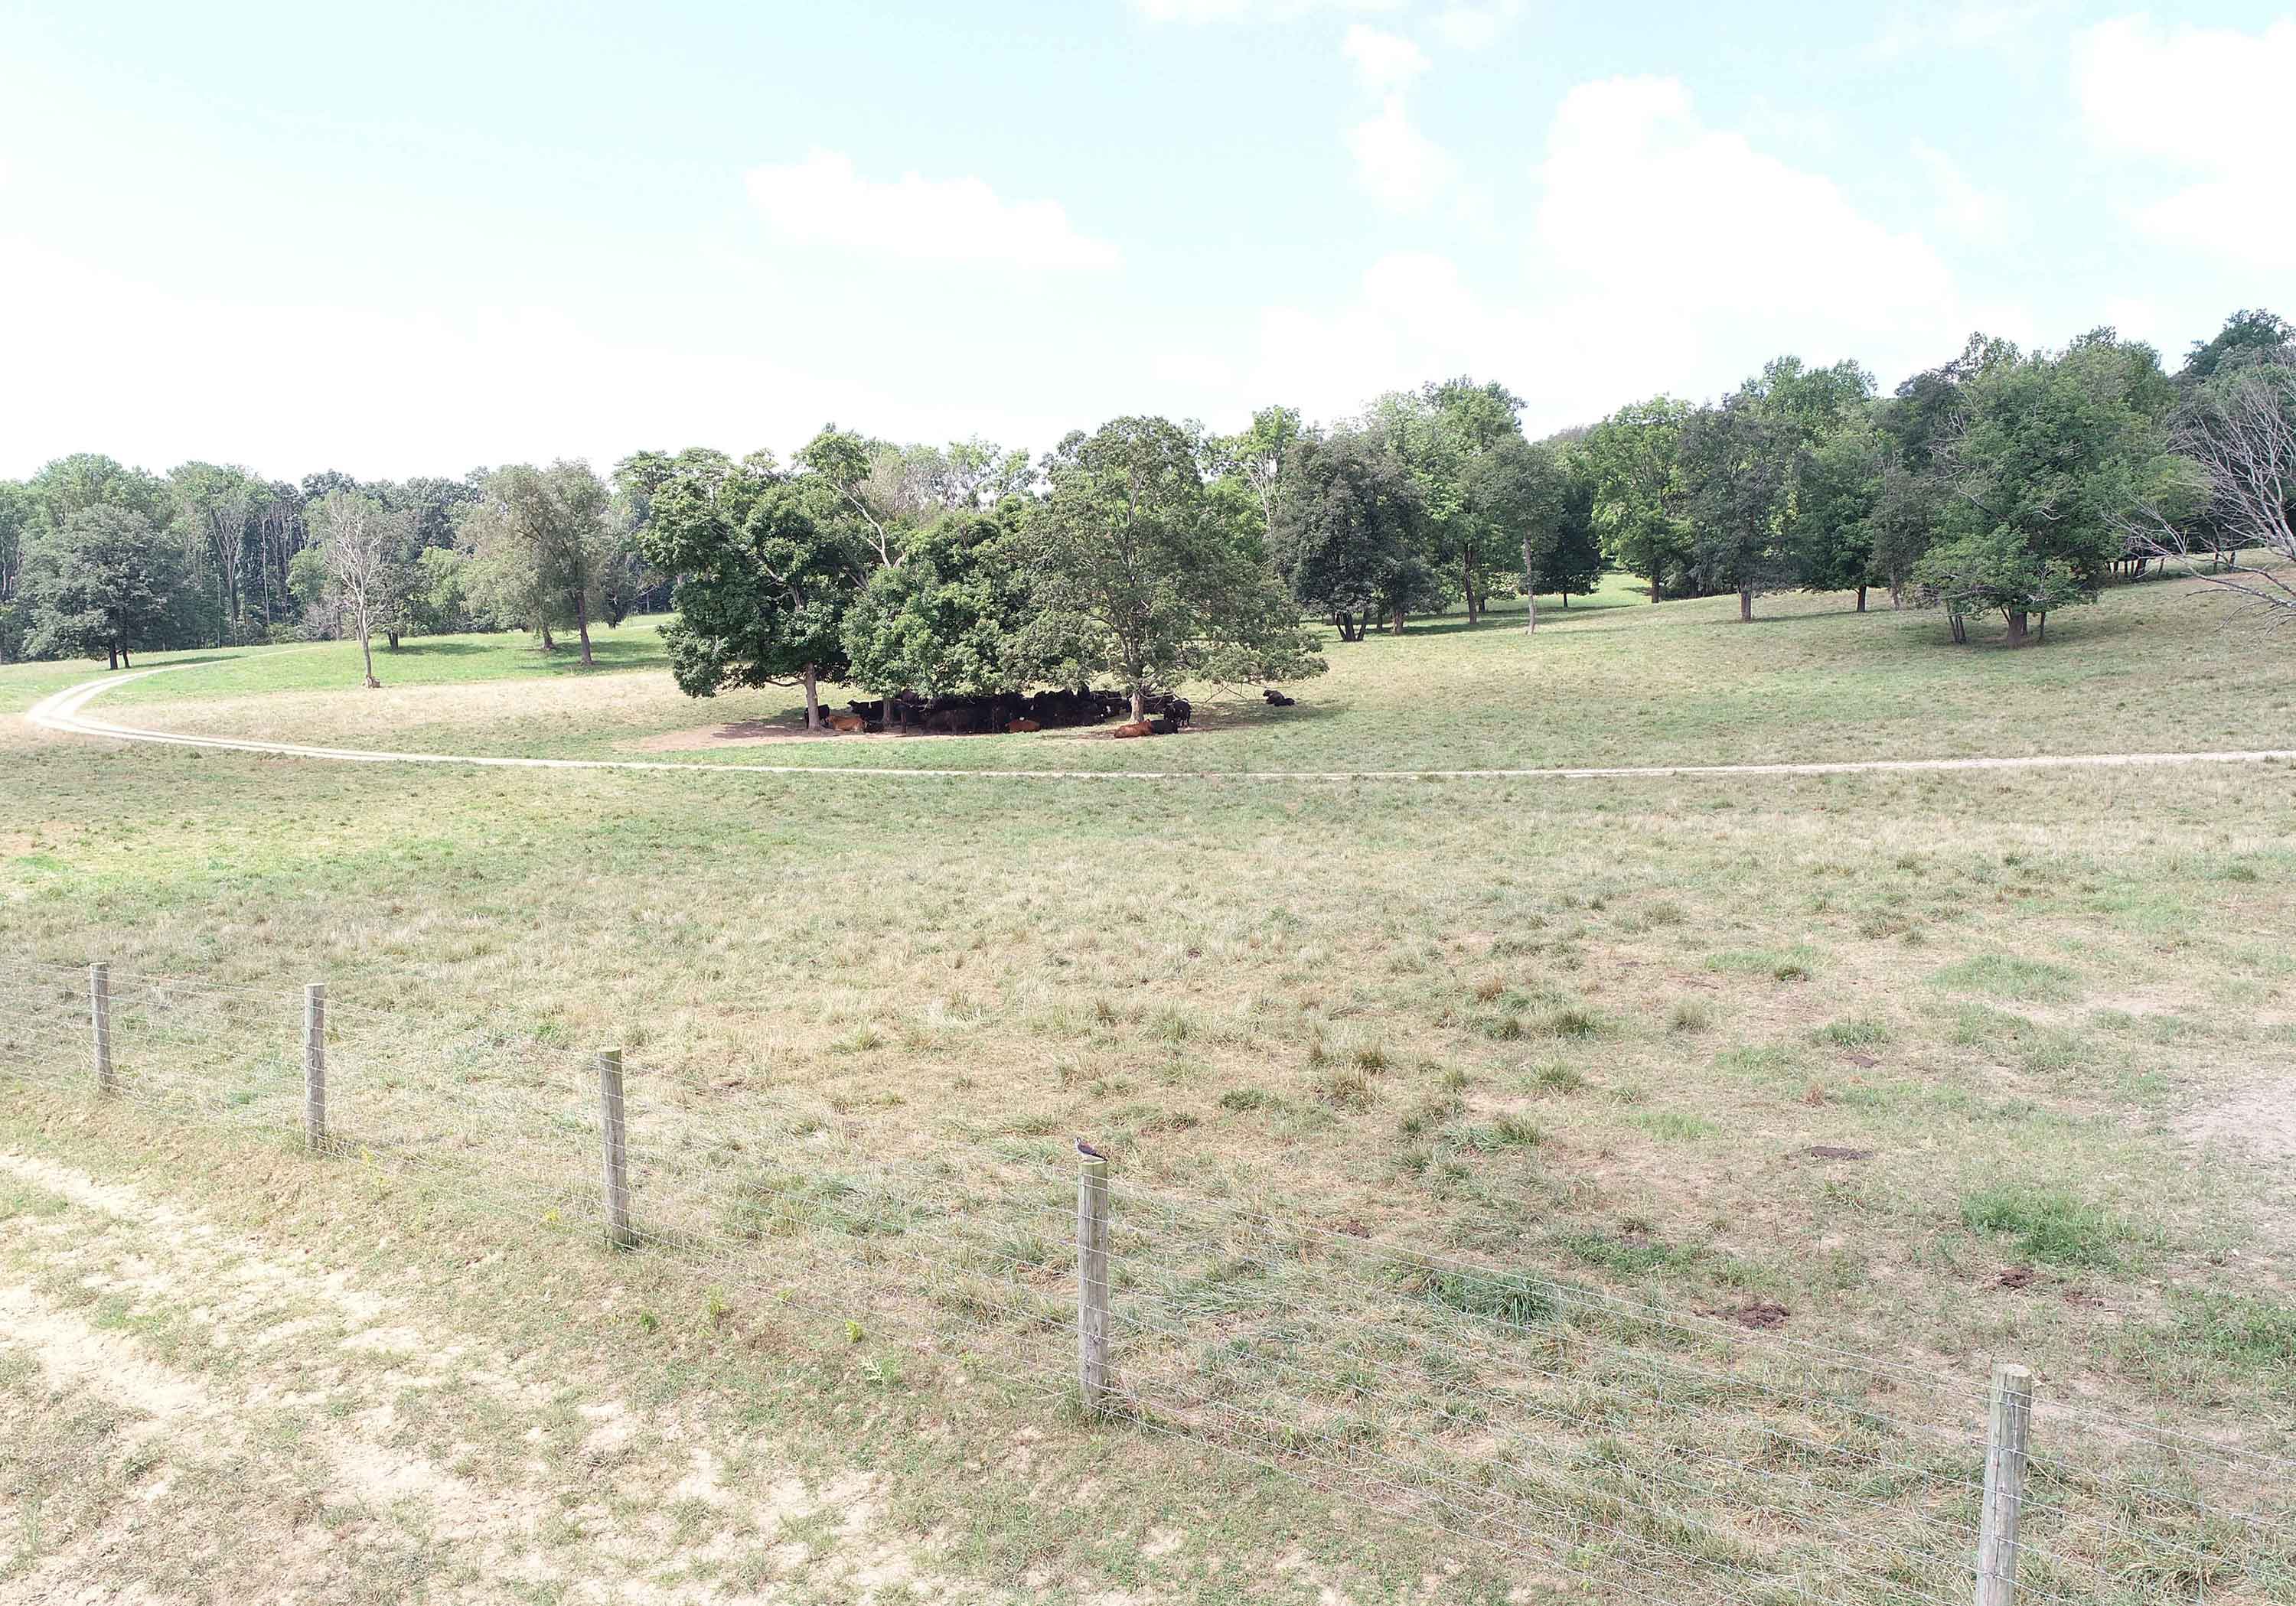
x,y
616,1132
98,1018
315,1066
1092,1275
2008,1427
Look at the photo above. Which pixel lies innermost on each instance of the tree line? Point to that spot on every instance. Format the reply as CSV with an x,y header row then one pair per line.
x,y
1154,550
2000,481
101,559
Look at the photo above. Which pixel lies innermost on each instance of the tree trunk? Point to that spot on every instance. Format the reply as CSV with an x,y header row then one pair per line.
x,y
1529,611
391,638
124,661
1960,626
1861,599
1467,578
547,644
366,652
1745,604
582,623
2041,628
2017,618
812,701
114,664
1398,621
1139,702
1566,602
1654,595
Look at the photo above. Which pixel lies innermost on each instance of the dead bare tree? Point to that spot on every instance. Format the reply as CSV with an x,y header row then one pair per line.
x,y
2241,439
357,539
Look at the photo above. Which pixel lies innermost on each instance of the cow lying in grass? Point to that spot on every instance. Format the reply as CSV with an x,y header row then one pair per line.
x,y
1138,727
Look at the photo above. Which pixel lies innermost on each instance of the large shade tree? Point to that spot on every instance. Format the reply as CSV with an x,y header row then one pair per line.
x,y
2054,453
106,581
1349,535
941,621
1737,468
766,570
1136,569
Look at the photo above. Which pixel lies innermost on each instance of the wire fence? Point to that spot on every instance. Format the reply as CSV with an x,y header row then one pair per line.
x,y
1628,1450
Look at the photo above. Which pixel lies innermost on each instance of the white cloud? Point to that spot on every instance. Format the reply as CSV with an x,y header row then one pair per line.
x,y
1665,254
1384,61
2211,102
1253,10
822,199
1397,164
1969,25
1962,205
1474,27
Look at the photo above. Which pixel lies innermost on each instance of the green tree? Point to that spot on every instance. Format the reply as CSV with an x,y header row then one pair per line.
x,y
1517,494
541,547
2053,459
1134,567
1576,565
764,575
1258,455
214,509
940,622
1837,483
1634,457
1441,431
104,581
16,514
1737,468
1902,523
2247,338
1349,537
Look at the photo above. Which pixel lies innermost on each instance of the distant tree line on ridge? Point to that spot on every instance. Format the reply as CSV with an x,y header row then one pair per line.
x,y
1155,551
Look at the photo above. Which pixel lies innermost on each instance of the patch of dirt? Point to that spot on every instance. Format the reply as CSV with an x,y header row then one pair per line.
x,y
2017,1277
2259,1118
1761,1315
1836,1152
1862,1062
363,1461
742,732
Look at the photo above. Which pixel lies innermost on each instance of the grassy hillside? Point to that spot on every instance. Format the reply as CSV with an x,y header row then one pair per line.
x,y
1944,1067
2161,665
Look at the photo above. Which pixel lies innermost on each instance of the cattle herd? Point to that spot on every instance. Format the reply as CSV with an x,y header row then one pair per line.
x,y
1011,711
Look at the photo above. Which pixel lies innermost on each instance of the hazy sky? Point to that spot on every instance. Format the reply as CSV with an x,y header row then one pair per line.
x,y
417,238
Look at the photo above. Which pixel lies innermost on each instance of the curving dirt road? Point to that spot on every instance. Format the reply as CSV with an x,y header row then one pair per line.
x,y
64,712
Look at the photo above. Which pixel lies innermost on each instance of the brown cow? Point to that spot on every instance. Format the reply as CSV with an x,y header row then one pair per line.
x,y
1138,727
1017,726
849,724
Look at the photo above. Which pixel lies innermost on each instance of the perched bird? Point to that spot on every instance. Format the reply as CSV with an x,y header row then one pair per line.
x,y
1088,1152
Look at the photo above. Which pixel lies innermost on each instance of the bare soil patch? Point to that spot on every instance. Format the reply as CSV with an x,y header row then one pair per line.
x,y
2259,1119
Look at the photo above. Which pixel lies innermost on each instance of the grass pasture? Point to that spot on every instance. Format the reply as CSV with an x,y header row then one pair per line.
x,y
1621,1171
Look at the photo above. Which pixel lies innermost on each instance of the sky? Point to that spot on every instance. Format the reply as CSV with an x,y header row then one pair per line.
x,y
421,238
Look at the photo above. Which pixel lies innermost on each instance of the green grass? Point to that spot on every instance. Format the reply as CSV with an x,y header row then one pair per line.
x,y
1287,1002
2051,1226
1679,682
